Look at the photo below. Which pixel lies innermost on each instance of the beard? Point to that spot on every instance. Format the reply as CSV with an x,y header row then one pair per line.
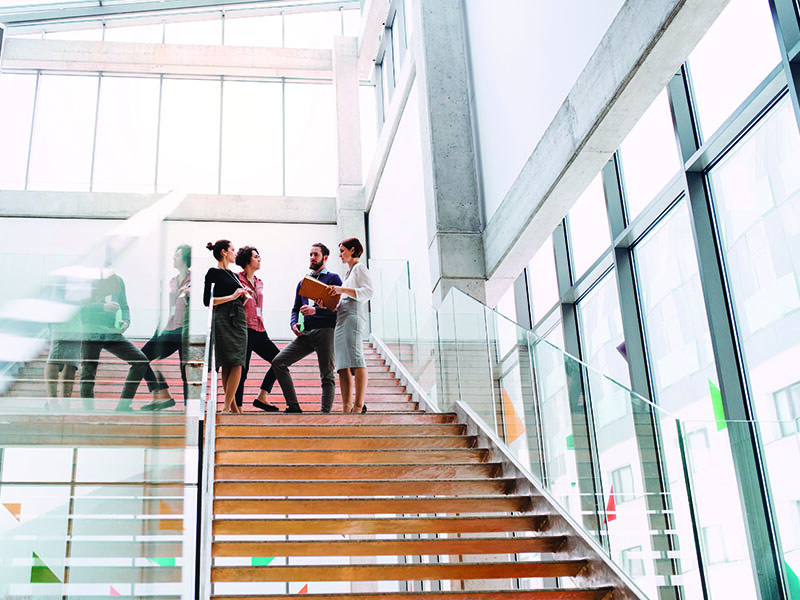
x,y
315,266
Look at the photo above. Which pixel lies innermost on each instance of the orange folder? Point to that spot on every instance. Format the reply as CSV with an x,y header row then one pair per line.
x,y
318,292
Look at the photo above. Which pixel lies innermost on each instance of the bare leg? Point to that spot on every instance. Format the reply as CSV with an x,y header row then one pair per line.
x,y
361,388
224,376
68,381
344,388
230,385
51,379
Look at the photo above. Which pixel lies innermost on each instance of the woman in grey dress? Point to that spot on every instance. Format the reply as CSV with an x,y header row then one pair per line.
x,y
351,325
230,323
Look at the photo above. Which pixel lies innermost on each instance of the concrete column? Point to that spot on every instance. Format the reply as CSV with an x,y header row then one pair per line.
x,y
455,245
350,203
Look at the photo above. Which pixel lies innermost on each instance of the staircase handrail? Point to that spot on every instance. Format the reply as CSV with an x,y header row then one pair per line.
x,y
208,395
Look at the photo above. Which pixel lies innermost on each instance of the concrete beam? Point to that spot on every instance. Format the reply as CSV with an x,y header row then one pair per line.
x,y
454,223
167,59
642,49
196,207
348,116
373,16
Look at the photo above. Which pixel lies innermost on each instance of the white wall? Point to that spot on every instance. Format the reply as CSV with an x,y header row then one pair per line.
x,y
519,84
397,221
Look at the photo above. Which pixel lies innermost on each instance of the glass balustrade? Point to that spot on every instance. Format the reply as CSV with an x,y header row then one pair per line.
x,y
98,486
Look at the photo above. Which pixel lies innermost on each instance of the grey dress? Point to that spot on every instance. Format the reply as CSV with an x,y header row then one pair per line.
x,y
351,320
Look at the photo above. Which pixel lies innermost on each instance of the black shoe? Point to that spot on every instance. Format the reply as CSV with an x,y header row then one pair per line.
x,y
159,404
293,409
265,406
363,408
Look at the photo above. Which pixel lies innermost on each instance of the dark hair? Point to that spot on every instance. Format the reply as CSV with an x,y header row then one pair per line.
x,y
354,245
218,247
186,254
322,248
245,255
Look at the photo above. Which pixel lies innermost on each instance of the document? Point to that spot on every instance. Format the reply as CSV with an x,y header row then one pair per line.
x,y
318,292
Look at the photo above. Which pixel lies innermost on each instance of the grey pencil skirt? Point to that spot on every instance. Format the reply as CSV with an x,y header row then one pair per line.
x,y
351,324
230,334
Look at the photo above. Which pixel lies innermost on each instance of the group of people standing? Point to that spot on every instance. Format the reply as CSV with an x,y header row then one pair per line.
x,y
336,336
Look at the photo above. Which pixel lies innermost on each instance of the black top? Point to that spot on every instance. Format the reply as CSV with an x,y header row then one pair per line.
x,y
98,323
324,317
226,283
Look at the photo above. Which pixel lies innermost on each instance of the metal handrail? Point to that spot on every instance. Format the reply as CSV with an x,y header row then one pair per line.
x,y
207,489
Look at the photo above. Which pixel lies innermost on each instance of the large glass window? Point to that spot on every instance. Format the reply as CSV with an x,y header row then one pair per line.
x,y
589,234
252,158
649,156
542,279
206,32
756,196
678,340
685,382
63,133
151,34
127,130
602,339
188,155
311,154
369,126
734,56
312,30
16,112
253,31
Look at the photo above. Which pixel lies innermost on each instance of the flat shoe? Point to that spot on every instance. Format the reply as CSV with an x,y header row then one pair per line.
x,y
159,404
265,406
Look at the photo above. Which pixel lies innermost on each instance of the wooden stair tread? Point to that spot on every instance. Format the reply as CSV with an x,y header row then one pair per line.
x,y
377,525
365,456
360,487
425,571
602,593
357,471
325,430
357,505
393,547
350,442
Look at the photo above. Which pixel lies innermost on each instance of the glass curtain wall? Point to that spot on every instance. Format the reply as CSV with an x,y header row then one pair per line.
x,y
747,148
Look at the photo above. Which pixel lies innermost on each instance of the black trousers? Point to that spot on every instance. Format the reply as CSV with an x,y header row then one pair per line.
x,y
120,347
162,345
258,342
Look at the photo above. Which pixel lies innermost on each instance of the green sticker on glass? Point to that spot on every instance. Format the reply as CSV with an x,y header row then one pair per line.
x,y
716,402
41,573
164,562
794,582
261,561
570,442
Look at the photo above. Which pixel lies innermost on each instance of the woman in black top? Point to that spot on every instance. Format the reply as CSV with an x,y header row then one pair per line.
x,y
230,324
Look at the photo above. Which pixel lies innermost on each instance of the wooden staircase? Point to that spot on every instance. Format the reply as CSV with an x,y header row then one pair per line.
x,y
392,504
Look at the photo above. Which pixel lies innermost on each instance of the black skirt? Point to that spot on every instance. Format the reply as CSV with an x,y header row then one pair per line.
x,y
230,334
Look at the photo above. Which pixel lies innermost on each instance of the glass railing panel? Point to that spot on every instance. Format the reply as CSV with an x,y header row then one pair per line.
x,y
98,496
473,358
716,506
447,366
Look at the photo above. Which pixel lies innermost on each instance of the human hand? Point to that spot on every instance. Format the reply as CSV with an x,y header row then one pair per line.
x,y
296,330
308,310
334,290
123,326
111,306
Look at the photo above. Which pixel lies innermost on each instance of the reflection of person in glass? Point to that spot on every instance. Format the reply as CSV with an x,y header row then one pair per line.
x,y
351,325
104,319
165,343
63,361
257,339
230,323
